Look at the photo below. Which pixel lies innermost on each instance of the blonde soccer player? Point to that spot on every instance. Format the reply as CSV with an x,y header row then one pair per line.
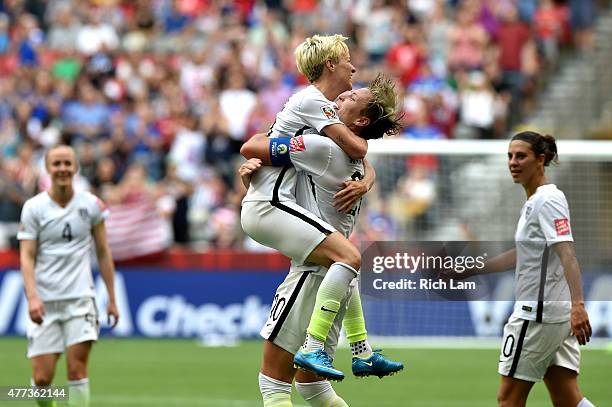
x,y
58,229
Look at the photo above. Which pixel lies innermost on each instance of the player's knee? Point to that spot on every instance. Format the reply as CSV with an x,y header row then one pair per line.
x,y
42,379
77,371
504,398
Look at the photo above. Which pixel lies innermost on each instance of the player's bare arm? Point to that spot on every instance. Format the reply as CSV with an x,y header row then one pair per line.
x,y
257,146
581,327
353,190
353,145
107,270
27,258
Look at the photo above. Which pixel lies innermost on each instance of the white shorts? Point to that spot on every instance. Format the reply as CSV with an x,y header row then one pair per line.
x,y
291,310
529,348
65,323
285,226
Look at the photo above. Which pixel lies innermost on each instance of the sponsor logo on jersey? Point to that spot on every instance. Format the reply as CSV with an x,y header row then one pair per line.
x,y
329,112
527,210
297,144
83,213
562,226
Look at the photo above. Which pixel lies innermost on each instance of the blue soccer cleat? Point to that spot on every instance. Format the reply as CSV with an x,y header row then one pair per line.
x,y
375,365
319,363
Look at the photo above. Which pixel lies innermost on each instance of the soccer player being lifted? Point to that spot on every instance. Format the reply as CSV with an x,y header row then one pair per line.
x,y
322,168
271,217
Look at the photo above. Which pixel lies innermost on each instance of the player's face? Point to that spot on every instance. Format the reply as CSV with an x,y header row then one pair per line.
x,y
344,70
351,103
61,165
522,162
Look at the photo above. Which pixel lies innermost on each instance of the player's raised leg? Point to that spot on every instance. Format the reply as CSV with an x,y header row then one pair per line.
x,y
365,361
346,261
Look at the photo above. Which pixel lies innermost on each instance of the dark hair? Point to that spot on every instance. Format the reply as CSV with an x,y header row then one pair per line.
x,y
540,144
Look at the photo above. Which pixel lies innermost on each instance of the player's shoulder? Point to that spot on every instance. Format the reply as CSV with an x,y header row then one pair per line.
x,y
37,201
90,199
549,194
310,95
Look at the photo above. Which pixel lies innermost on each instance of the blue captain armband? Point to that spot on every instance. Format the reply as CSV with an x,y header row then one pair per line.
x,y
279,152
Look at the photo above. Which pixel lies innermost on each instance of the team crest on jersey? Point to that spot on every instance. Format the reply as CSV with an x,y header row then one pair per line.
x,y
297,144
83,213
329,112
562,226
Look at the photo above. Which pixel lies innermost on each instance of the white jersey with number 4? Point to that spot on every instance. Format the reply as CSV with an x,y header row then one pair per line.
x,y
541,291
307,111
64,242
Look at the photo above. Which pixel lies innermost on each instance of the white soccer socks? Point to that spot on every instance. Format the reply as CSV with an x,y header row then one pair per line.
x,y
275,393
585,403
320,394
79,393
43,402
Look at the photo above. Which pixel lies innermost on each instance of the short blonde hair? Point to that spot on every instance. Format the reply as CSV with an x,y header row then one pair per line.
x,y
310,55
382,109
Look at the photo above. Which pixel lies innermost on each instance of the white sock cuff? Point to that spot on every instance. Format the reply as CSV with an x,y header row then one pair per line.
x,y
585,403
314,389
268,385
78,382
346,266
33,384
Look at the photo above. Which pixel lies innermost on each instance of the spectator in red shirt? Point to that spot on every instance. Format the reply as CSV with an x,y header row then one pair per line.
x,y
514,40
406,58
548,26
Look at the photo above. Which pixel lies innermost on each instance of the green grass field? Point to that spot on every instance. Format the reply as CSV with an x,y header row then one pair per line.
x,y
129,372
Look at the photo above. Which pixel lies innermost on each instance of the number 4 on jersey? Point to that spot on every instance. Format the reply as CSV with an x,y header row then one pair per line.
x,y
67,232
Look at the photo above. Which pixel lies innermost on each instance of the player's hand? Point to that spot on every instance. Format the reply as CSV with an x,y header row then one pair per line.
x,y
349,195
36,309
113,314
247,170
581,327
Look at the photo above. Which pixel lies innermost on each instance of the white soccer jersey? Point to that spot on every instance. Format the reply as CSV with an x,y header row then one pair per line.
x,y
322,167
307,111
541,291
64,242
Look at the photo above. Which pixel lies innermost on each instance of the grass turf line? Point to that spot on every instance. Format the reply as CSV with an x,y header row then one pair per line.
x,y
146,372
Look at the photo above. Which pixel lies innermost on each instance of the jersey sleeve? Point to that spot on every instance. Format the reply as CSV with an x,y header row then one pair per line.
x,y
555,220
99,210
319,112
28,226
310,153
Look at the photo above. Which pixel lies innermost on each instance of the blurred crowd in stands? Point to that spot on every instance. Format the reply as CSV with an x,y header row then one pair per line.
x,y
156,96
